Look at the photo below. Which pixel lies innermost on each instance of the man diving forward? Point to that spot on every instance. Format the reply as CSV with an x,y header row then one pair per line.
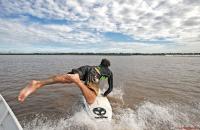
x,y
91,75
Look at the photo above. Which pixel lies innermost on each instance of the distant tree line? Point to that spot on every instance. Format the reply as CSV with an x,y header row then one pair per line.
x,y
126,54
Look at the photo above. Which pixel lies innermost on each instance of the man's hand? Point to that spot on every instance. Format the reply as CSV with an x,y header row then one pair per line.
x,y
103,95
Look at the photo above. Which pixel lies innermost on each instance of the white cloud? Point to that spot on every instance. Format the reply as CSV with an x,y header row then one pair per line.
x,y
177,20
35,33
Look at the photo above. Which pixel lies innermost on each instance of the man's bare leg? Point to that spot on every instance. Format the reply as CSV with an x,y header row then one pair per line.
x,y
36,84
65,78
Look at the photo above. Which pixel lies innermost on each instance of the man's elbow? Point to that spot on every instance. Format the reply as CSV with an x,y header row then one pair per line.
x,y
111,88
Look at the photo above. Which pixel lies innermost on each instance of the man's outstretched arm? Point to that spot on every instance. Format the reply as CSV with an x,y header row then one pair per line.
x,y
110,83
87,93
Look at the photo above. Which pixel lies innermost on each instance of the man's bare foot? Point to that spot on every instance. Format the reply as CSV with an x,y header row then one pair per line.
x,y
24,93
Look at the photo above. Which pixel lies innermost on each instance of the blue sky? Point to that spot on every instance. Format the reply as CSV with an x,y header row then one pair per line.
x,y
100,26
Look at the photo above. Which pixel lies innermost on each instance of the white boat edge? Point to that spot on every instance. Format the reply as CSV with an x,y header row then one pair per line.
x,y
15,120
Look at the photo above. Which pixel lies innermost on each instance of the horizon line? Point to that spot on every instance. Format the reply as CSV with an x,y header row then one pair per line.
x,y
101,53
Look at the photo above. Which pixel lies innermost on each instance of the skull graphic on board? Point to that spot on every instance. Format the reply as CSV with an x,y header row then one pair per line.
x,y
99,111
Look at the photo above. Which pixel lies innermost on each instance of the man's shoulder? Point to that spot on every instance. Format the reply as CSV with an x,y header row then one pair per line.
x,y
111,73
107,71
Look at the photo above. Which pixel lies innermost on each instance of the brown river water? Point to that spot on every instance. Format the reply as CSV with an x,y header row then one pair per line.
x,y
150,92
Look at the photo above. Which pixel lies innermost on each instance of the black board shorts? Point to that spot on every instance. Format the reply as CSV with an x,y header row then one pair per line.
x,y
92,86
77,71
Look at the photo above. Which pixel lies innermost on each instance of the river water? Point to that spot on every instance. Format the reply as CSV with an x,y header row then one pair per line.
x,y
150,92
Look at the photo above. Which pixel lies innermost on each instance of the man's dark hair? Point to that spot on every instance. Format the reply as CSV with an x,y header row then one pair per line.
x,y
105,63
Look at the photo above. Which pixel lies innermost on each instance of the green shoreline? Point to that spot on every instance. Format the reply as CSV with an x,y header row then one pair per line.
x,y
126,54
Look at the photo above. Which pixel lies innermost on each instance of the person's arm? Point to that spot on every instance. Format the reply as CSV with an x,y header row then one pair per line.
x,y
110,83
87,93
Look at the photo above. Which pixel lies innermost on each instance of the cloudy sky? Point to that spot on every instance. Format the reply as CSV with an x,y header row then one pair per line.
x,y
144,26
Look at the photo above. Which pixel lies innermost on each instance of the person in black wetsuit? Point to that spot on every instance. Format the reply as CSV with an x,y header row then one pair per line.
x,y
91,75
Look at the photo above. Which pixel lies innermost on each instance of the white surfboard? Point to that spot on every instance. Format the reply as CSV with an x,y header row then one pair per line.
x,y
8,120
100,110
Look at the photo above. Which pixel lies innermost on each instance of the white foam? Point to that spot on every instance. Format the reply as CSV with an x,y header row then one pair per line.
x,y
146,116
117,93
